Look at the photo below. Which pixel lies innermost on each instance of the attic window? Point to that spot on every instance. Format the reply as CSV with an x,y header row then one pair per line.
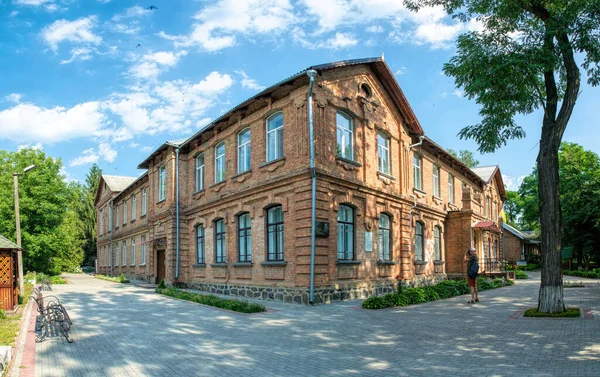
x,y
366,91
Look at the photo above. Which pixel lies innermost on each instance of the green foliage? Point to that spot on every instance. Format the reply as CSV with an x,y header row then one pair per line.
x,y
582,274
569,313
123,279
520,275
530,267
57,280
465,156
442,290
161,284
210,300
114,279
512,207
2,314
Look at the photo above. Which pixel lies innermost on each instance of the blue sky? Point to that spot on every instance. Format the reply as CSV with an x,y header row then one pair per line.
x,y
108,81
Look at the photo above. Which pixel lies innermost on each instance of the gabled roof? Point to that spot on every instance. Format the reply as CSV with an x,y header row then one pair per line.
x,y
175,143
130,185
487,173
115,183
5,243
523,235
487,225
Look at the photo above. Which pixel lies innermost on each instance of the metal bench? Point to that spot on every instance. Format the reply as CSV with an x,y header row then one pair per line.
x,y
46,284
51,313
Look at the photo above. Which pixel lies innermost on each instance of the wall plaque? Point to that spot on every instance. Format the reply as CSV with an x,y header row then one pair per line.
x,y
322,229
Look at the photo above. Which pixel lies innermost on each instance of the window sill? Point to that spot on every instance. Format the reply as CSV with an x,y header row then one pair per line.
x,y
387,262
348,161
418,191
160,201
267,163
199,265
274,263
197,193
348,261
132,265
220,265
218,183
144,215
249,171
242,264
386,178
132,221
420,262
142,265
439,262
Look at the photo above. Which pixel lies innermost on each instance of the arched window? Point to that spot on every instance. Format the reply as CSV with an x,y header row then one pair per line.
x,y
385,242
244,238
345,233
419,245
200,252
200,172
244,151
275,137
345,136
220,163
383,153
220,254
275,234
417,172
437,243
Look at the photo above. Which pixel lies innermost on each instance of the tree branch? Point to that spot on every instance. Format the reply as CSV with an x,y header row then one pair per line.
x,y
551,90
573,83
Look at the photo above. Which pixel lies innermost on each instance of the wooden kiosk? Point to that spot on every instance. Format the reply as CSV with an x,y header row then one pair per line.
x,y
8,274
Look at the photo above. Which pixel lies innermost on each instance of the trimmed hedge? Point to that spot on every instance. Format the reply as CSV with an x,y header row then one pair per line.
x,y
594,274
442,290
520,275
530,267
211,300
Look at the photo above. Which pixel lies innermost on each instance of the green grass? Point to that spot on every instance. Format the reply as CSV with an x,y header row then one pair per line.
x,y
11,324
241,306
569,313
114,279
57,280
520,275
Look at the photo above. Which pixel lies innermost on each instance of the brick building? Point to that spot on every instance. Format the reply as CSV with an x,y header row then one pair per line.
x,y
519,246
230,209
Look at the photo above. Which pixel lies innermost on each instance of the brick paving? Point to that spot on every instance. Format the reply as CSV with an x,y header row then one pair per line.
x,y
123,330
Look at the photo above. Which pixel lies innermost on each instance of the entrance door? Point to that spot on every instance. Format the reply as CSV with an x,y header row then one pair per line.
x,y
160,265
7,280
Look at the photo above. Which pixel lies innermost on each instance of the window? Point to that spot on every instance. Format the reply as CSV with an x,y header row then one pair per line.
x,y
110,224
244,238
125,212
220,163
244,151
143,250
436,181
487,207
200,253
124,253
437,243
144,201
133,251
345,136
494,210
116,260
275,234
417,177
220,256
133,207
200,172
345,233
101,221
383,153
450,189
162,183
419,247
385,246
275,137
118,217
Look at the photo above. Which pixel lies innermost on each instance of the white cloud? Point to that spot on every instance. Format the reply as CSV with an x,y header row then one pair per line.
x,y
29,123
374,29
219,24
78,31
146,149
458,93
132,12
80,53
152,64
400,71
88,156
14,13
513,183
248,82
128,22
35,3
107,152
14,97
338,41
133,145
37,146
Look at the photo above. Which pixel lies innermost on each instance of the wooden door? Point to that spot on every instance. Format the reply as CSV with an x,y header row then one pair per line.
x,y
7,278
160,265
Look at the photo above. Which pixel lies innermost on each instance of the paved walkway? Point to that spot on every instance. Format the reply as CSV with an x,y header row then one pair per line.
x,y
123,330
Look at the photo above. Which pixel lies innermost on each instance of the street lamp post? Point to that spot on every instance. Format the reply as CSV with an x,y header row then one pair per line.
x,y
18,221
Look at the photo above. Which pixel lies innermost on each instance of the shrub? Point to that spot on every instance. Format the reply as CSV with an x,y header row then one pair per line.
x,y
530,267
236,305
2,314
374,302
161,284
415,295
123,279
120,279
88,269
431,294
520,275
569,313
583,274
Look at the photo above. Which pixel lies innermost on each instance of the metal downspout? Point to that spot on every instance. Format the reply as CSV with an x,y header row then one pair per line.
x,y
177,213
313,199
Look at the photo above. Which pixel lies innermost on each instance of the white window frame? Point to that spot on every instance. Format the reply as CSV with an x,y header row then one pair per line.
x,y
118,222
133,251
383,150
162,183
124,211
200,172
278,134
143,251
144,202
437,243
418,171
124,256
436,180
220,163
244,151
101,221
343,133
110,219
133,207
450,189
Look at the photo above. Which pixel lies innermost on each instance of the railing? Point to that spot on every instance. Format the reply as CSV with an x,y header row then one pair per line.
x,y
491,265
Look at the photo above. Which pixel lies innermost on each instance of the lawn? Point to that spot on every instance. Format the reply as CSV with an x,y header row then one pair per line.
x,y
11,324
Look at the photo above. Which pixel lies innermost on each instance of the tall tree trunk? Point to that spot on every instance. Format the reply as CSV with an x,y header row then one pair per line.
x,y
551,287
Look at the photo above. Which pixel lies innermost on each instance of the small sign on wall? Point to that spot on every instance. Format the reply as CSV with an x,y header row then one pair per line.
x,y
322,229
368,241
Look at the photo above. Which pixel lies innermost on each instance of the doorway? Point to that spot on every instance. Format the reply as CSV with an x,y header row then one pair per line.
x,y
160,265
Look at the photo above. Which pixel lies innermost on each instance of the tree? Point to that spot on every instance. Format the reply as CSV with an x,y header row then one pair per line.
x,y
87,214
521,61
512,207
465,156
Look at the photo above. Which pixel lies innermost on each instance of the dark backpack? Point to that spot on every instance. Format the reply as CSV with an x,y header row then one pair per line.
x,y
473,270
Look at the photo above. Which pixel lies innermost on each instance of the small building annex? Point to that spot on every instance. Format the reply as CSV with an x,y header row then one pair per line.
x,y
229,209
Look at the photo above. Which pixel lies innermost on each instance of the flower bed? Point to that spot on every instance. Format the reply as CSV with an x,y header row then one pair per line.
x,y
442,290
211,300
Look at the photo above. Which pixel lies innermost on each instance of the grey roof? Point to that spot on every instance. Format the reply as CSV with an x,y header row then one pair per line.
x,y
525,235
165,145
485,172
117,183
5,243
131,184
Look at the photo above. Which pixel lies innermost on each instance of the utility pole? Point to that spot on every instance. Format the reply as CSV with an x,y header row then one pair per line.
x,y
18,221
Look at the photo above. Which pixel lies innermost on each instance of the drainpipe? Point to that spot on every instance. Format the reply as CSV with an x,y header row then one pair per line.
x,y
421,138
313,200
177,213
